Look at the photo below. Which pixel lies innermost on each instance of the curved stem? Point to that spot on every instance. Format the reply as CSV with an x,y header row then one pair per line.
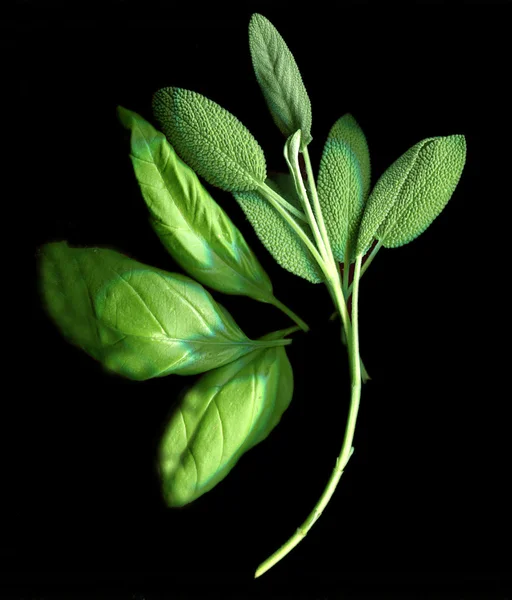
x,y
346,447
287,311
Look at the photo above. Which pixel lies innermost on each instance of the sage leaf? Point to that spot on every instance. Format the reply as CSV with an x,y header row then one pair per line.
x,y
279,79
195,230
210,139
226,413
344,184
276,234
138,321
412,192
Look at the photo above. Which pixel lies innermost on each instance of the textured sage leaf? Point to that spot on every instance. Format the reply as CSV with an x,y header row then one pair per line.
x,y
344,183
226,413
412,192
279,79
196,231
210,139
276,234
138,321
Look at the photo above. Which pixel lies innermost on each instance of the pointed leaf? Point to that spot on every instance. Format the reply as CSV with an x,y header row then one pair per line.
x,y
196,231
279,79
344,183
210,139
225,414
412,192
277,235
138,321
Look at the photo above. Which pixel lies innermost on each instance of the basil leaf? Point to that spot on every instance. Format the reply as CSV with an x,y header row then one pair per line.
x,y
343,183
195,230
225,414
210,139
412,192
279,79
277,235
138,321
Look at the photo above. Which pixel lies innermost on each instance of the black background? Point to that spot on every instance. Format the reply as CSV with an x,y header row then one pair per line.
x,y
423,506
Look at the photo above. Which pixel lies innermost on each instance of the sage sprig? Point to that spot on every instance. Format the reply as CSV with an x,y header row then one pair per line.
x,y
142,322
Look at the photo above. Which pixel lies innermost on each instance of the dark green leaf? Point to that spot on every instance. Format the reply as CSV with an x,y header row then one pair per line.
x,y
344,183
276,234
412,192
279,79
210,139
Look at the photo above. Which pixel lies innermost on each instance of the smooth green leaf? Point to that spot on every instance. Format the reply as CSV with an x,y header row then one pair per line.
x,y
225,414
196,231
210,139
279,79
412,192
138,321
276,234
344,183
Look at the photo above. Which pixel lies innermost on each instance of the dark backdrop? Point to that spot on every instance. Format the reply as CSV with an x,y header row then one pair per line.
x,y
423,504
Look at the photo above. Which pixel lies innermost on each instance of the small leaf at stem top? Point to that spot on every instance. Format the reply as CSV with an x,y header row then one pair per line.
x,y
279,79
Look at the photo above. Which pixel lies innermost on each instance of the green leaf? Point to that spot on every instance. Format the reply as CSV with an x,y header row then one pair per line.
x,y
276,234
412,192
138,321
225,414
210,139
196,231
279,79
344,183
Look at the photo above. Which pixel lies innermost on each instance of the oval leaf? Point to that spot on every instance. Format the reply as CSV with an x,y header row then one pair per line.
x,y
277,235
344,183
210,139
226,413
196,231
279,79
138,321
412,192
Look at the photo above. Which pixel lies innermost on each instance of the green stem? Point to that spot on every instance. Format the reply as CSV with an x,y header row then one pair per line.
x,y
316,203
346,269
367,263
321,240
274,198
286,205
346,447
287,311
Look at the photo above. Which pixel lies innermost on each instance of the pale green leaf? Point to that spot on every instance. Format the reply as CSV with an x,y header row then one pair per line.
x,y
343,183
276,234
225,414
196,231
210,139
138,321
279,79
412,192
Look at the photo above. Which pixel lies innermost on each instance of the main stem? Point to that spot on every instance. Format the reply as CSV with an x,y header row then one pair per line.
x,y
346,447
352,336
